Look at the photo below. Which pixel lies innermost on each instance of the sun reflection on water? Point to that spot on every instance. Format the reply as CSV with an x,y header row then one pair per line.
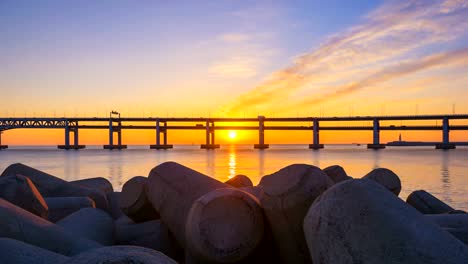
x,y
232,162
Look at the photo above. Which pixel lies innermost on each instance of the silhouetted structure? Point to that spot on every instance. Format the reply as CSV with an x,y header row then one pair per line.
x,y
115,125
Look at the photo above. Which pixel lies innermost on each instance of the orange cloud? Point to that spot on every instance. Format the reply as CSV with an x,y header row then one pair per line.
x,y
391,39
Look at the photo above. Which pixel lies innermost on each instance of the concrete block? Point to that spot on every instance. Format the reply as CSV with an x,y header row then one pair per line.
x,y
151,234
455,224
51,186
113,202
427,203
359,221
121,254
385,177
18,252
256,191
91,223
239,181
288,194
20,191
124,220
97,183
21,225
134,202
224,226
60,207
189,203
336,173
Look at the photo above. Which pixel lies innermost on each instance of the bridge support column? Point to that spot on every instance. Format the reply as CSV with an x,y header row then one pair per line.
x,y
316,140
445,136
2,146
111,145
210,136
68,130
158,136
376,137
261,134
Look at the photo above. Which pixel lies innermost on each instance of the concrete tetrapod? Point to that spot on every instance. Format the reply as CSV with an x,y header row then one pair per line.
x,y
239,181
336,173
176,193
51,186
359,221
455,224
151,234
21,225
385,177
287,196
97,183
224,225
18,252
91,223
121,255
113,201
133,200
20,191
426,203
60,207
256,191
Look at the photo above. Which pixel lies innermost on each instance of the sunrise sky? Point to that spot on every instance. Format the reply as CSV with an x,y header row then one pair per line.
x,y
231,58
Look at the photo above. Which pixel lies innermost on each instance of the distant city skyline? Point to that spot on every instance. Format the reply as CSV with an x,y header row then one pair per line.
x,y
231,58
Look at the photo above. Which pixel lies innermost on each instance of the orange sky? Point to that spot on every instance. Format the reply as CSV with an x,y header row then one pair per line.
x,y
233,60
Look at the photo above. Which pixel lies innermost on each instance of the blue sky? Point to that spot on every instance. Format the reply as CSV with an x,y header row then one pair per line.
x,y
199,58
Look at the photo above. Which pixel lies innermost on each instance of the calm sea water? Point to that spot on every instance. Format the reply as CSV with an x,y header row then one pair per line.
x,y
443,173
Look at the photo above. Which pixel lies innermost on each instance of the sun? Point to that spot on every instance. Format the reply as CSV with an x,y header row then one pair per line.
x,y
232,134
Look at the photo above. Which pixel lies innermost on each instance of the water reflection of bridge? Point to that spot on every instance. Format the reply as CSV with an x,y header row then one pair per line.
x,y
210,125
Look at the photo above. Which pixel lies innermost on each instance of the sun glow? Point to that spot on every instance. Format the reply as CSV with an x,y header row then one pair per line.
x,y
232,134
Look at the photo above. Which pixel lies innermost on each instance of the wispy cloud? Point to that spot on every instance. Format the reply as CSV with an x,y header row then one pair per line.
x,y
398,39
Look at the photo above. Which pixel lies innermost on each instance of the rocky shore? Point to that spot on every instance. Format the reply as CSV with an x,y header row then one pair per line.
x,y
299,214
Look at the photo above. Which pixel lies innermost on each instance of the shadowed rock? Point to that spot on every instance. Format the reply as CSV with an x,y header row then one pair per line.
x,y
98,183
222,222
113,201
90,223
426,203
359,221
287,196
455,224
133,200
152,234
51,186
21,225
121,255
224,225
20,191
385,177
60,207
336,173
239,181
18,252
124,220
256,191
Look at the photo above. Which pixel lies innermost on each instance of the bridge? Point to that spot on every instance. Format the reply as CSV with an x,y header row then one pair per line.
x,y
116,124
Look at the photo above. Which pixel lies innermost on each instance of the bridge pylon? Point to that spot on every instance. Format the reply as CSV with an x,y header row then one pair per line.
x,y
118,130
261,134
73,129
2,146
160,130
376,136
315,136
210,136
